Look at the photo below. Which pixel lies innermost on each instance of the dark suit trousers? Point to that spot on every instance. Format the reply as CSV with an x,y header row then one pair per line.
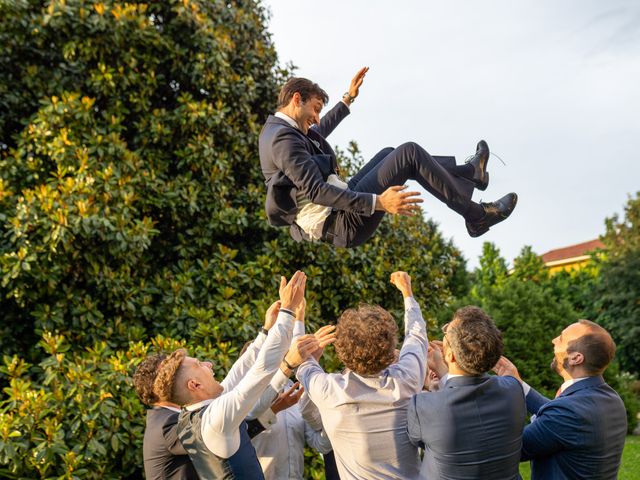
x,y
394,167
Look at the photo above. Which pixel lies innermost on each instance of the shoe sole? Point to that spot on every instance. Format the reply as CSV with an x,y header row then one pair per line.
x,y
485,230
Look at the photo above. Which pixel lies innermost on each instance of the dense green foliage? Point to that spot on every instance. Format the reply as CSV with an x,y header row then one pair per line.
x,y
618,291
131,205
531,308
131,209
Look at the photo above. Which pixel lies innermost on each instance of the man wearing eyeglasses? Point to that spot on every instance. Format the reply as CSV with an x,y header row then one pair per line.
x,y
472,426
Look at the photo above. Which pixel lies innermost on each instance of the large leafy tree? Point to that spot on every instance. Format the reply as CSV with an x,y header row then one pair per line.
x,y
617,294
131,205
531,308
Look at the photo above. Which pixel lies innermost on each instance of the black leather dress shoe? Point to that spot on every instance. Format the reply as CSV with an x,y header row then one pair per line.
x,y
479,162
494,212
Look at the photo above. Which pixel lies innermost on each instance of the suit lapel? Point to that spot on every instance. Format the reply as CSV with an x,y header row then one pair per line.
x,y
314,143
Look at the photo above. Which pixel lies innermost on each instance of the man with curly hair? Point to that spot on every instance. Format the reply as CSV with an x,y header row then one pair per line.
x,y
363,409
211,424
163,454
472,426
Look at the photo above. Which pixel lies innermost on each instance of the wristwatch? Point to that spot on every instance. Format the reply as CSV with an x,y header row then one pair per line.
x,y
349,97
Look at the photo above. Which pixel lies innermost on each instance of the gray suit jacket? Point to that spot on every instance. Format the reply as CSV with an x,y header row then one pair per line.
x,y
471,429
164,456
293,162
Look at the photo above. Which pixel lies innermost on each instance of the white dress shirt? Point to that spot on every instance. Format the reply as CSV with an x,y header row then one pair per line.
x,y
280,449
366,416
244,384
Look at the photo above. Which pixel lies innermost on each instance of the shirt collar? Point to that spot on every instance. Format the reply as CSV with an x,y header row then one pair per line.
x,y
199,405
173,409
570,382
287,119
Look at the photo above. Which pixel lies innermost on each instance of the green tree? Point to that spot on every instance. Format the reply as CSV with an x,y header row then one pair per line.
x,y
131,205
617,294
529,314
531,308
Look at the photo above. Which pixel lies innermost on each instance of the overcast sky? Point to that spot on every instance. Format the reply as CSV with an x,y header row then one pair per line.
x,y
552,85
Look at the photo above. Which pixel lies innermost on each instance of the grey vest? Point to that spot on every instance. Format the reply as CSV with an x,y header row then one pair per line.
x,y
241,465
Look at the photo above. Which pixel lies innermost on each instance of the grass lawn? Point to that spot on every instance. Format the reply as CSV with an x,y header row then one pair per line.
x,y
630,469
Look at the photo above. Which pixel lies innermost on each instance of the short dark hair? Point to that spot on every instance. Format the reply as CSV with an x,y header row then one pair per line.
x,y
366,339
144,377
306,89
597,347
475,340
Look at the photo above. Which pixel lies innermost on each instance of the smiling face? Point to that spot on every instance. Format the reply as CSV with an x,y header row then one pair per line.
x,y
306,113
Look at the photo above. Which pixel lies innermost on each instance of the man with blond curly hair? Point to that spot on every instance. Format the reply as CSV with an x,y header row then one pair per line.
x,y
163,454
211,424
363,409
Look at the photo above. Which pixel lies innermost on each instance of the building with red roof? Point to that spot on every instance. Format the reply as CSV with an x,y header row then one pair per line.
x,y
572,257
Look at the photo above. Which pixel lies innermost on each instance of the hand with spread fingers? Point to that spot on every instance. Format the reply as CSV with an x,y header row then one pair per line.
x,y
325,335
287,399
396,201
300,350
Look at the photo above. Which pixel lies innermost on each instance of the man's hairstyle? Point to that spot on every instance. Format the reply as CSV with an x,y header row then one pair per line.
x,y
597,347
475,340
366,339
165,382
306,89
144,377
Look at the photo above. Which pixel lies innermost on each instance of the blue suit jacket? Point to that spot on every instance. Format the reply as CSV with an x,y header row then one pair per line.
x,y
578,435
471,429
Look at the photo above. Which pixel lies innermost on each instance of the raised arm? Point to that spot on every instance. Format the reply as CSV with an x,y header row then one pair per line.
x,y
224,414
310,374
411,365
248,358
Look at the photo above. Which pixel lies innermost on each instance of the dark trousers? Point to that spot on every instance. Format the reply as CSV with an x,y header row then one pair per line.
x,y
391,167
330,467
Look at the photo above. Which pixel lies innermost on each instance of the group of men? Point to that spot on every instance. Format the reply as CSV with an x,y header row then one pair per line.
x,y
430,410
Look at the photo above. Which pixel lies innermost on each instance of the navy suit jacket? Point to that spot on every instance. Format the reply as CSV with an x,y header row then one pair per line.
x,y
293,163
471,429
578,435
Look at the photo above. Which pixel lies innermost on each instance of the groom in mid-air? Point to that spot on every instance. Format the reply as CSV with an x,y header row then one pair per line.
x,y
305,192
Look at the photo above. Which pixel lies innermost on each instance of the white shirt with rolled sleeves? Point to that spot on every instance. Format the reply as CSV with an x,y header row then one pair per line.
x,y
248,378
365,417
262,409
